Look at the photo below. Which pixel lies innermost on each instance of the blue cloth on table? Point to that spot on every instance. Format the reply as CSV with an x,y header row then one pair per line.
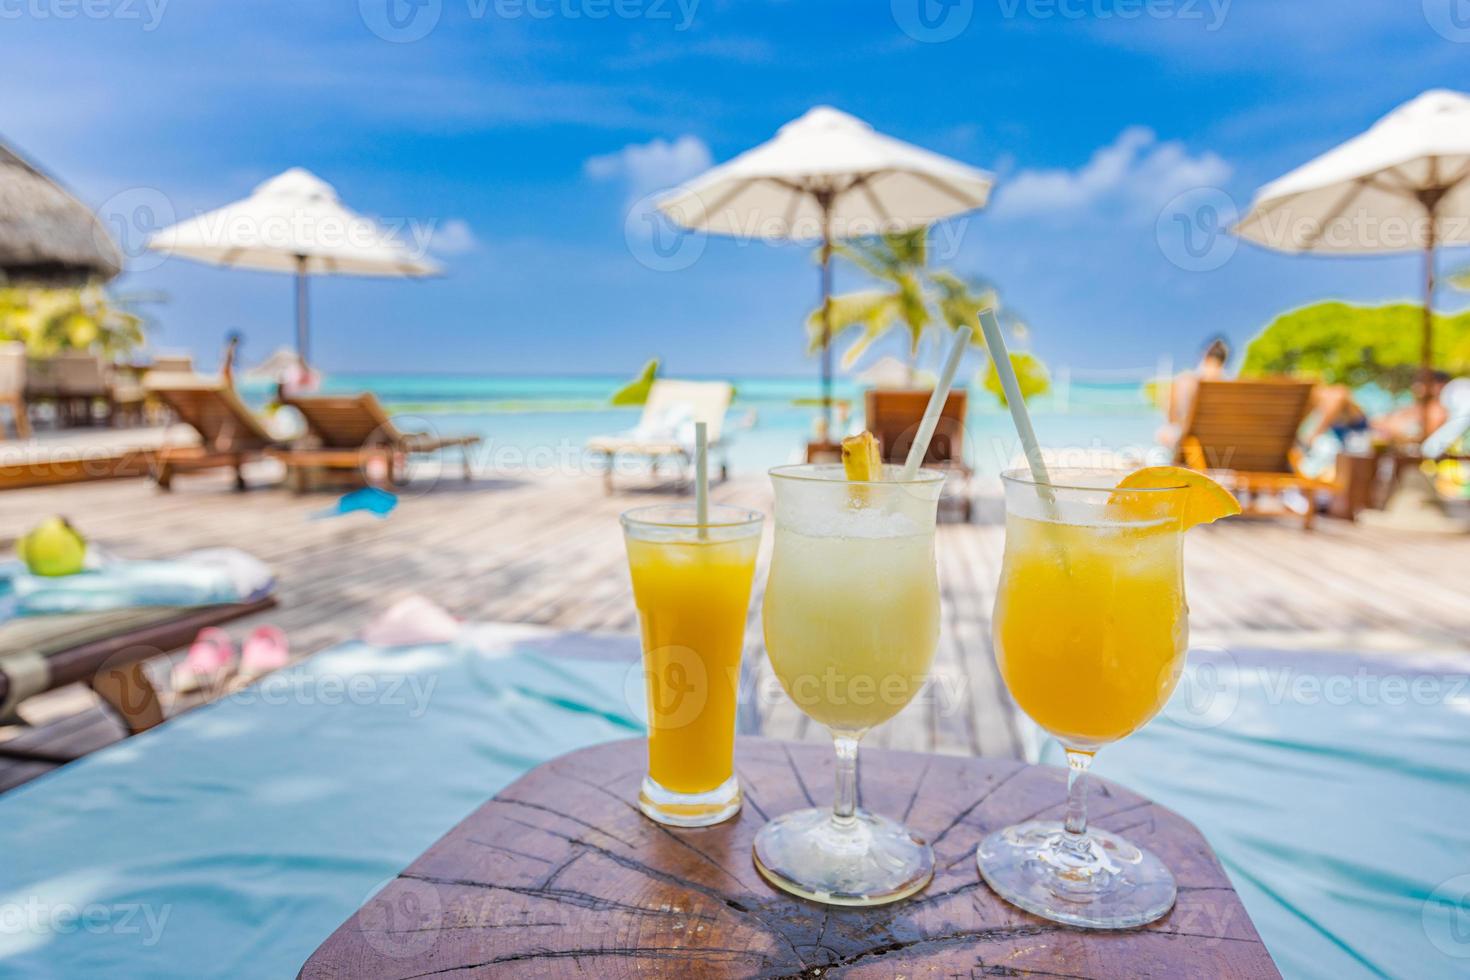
x,y
1334,792
196,578
231,841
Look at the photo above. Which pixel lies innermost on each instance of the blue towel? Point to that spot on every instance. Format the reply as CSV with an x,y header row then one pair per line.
x,y
371,500
231,841
196,578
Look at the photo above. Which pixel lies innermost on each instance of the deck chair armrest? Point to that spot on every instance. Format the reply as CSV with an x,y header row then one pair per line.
x,y
1193,454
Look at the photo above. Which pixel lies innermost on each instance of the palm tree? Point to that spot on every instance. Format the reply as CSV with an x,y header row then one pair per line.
x,y
912,297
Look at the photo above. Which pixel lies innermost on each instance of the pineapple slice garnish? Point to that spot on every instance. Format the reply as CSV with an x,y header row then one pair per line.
x,y
861,459
862,462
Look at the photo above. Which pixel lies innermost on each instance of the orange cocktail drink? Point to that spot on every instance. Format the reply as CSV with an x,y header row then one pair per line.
x,y
1091,630
1063,583
691,583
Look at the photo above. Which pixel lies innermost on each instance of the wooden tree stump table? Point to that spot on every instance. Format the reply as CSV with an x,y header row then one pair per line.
x,y
561,875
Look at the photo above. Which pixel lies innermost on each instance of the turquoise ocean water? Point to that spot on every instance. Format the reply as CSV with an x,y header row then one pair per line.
x,y
541,423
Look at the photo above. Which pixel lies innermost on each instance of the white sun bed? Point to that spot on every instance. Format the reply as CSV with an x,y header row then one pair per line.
x,y
666,428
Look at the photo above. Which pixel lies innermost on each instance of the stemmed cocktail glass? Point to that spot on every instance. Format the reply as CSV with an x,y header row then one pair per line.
x,y
851,624
1090,632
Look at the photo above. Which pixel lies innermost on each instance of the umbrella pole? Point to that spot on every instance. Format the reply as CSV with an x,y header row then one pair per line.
x,y
825,200
1426,340
1414,504
301,311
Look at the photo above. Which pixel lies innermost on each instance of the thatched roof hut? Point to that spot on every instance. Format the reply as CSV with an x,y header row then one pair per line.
x,y
48,237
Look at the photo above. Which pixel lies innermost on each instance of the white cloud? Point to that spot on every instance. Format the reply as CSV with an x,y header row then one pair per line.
x,y
453,237
656,165
1134,174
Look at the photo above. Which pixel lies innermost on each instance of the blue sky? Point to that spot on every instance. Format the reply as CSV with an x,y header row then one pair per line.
x,y
520,132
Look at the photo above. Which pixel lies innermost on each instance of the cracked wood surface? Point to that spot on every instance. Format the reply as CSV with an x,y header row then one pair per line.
x,y
560,875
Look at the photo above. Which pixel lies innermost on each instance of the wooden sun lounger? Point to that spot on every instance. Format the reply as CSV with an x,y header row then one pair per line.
x,y
230,434
345,432
106,651
893,414
1245,433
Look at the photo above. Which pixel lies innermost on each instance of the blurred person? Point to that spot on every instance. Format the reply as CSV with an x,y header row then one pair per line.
x,y
1338,412
1185,385
227,361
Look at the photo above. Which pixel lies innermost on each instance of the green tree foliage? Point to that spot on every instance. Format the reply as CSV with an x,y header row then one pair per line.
x,y
1031,376
1353,345
49,321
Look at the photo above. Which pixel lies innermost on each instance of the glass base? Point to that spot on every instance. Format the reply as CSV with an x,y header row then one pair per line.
x,y
871,861
689,809
1107,883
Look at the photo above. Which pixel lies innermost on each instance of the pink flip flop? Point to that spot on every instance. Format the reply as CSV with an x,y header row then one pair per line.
x,y
210,660
266,649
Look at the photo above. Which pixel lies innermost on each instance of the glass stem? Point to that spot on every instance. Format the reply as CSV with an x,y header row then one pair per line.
x,y
1078,762
844,804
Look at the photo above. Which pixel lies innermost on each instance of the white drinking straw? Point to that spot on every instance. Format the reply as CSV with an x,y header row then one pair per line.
x,y
701,476
1008,383
935,406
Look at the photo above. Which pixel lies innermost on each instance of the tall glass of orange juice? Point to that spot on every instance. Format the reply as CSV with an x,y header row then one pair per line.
x,y
691,583
1090,631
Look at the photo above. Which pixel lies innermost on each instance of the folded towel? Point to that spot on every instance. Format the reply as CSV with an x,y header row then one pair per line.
x,y
196,578
1456,400
674,424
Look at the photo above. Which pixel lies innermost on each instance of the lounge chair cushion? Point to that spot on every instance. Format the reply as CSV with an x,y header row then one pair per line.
x,y
210,576
666,432
631,446
666,427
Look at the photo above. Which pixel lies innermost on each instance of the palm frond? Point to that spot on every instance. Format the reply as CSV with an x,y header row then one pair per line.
x,y
870,309
870,258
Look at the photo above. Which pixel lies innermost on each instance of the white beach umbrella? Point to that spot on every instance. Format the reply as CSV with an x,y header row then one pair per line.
x,y
827,177
1402,186
293,223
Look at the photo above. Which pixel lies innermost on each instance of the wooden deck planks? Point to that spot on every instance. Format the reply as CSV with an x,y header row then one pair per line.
x,y
550,552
